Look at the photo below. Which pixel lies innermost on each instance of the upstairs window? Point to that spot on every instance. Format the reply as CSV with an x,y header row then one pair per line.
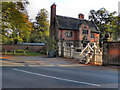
x,y
93,36
71,34
68,34
85,31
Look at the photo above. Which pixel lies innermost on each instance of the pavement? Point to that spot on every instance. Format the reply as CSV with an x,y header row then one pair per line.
x,y
37,61
43,72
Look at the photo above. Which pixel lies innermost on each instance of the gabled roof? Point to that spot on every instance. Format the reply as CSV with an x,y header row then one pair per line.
x,y
73,23
68,22
93,26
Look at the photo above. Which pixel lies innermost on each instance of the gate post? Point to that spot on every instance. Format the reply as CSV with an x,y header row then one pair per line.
x,y
62,48
59,51
71,52
95,56
63,53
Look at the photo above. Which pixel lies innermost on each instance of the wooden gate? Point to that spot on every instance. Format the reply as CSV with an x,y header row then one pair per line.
x,y
91,55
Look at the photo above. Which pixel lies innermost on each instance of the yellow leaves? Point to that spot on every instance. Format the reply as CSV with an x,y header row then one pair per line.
x,y
21,35
29,29
7,11
32,28
20,40
47,33
11,39
9,8
30,25
17,20
28,21
5,39
25,12
40,32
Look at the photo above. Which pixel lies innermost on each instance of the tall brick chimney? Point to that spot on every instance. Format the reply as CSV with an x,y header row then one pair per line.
x,y
53,12
81,16
52,20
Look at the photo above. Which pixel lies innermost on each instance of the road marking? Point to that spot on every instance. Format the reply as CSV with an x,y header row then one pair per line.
x,y
56,77
41,65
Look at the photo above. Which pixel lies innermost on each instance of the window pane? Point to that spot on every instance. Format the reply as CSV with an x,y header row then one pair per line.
x,y
71,34
85,31
92,35
66,34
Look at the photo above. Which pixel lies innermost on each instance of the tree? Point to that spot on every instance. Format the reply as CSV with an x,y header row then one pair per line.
x,y
106,21
15,22
41,27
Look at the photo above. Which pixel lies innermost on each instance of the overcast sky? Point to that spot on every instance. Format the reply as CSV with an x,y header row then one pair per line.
x,y
71,8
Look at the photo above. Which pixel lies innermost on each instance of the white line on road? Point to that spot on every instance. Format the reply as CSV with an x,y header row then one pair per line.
x,y
56,77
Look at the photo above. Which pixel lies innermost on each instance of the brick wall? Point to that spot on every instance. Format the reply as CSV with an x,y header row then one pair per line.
x,y
111,53
96,37
33,48
82,27
75,35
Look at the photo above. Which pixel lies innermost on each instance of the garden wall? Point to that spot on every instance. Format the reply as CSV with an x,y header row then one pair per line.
x,y
34,48
111,53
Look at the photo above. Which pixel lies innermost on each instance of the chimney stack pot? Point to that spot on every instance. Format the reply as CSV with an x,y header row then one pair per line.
x,y
81,16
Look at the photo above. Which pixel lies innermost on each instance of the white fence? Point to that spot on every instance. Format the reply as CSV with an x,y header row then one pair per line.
x,y
87,55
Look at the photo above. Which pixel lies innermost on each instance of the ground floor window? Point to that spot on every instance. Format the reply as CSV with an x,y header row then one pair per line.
x,y
91,44
84,44
69,44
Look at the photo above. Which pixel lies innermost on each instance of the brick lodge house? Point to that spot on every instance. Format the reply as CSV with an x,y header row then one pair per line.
x,y
75,32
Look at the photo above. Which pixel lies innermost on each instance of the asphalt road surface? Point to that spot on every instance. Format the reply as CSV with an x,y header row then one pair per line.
x,y
41,72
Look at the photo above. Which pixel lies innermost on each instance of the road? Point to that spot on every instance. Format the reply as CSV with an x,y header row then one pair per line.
x,y
41,72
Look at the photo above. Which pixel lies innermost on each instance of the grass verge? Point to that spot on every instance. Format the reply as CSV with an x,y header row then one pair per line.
x,y
22,54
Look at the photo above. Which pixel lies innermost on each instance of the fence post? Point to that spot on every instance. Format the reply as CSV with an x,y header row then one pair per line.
x,y
5,51
14,52
24,52
95,56
71,52
63,52
59,54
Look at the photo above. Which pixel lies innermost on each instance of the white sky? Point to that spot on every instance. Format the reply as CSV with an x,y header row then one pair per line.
x,y
71,8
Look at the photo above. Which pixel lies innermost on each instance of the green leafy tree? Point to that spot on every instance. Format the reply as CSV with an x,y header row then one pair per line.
x,y
41,27
106,21
15,23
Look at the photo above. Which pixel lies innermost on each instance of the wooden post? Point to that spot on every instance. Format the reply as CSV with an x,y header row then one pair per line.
x,y
62,48
63,52
14,52
5,51
59,51
71,52
47,48
24,52
95,55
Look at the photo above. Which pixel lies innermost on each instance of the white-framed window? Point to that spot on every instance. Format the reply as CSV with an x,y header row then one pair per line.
x,y
69,34
69,44
85,31
92,35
